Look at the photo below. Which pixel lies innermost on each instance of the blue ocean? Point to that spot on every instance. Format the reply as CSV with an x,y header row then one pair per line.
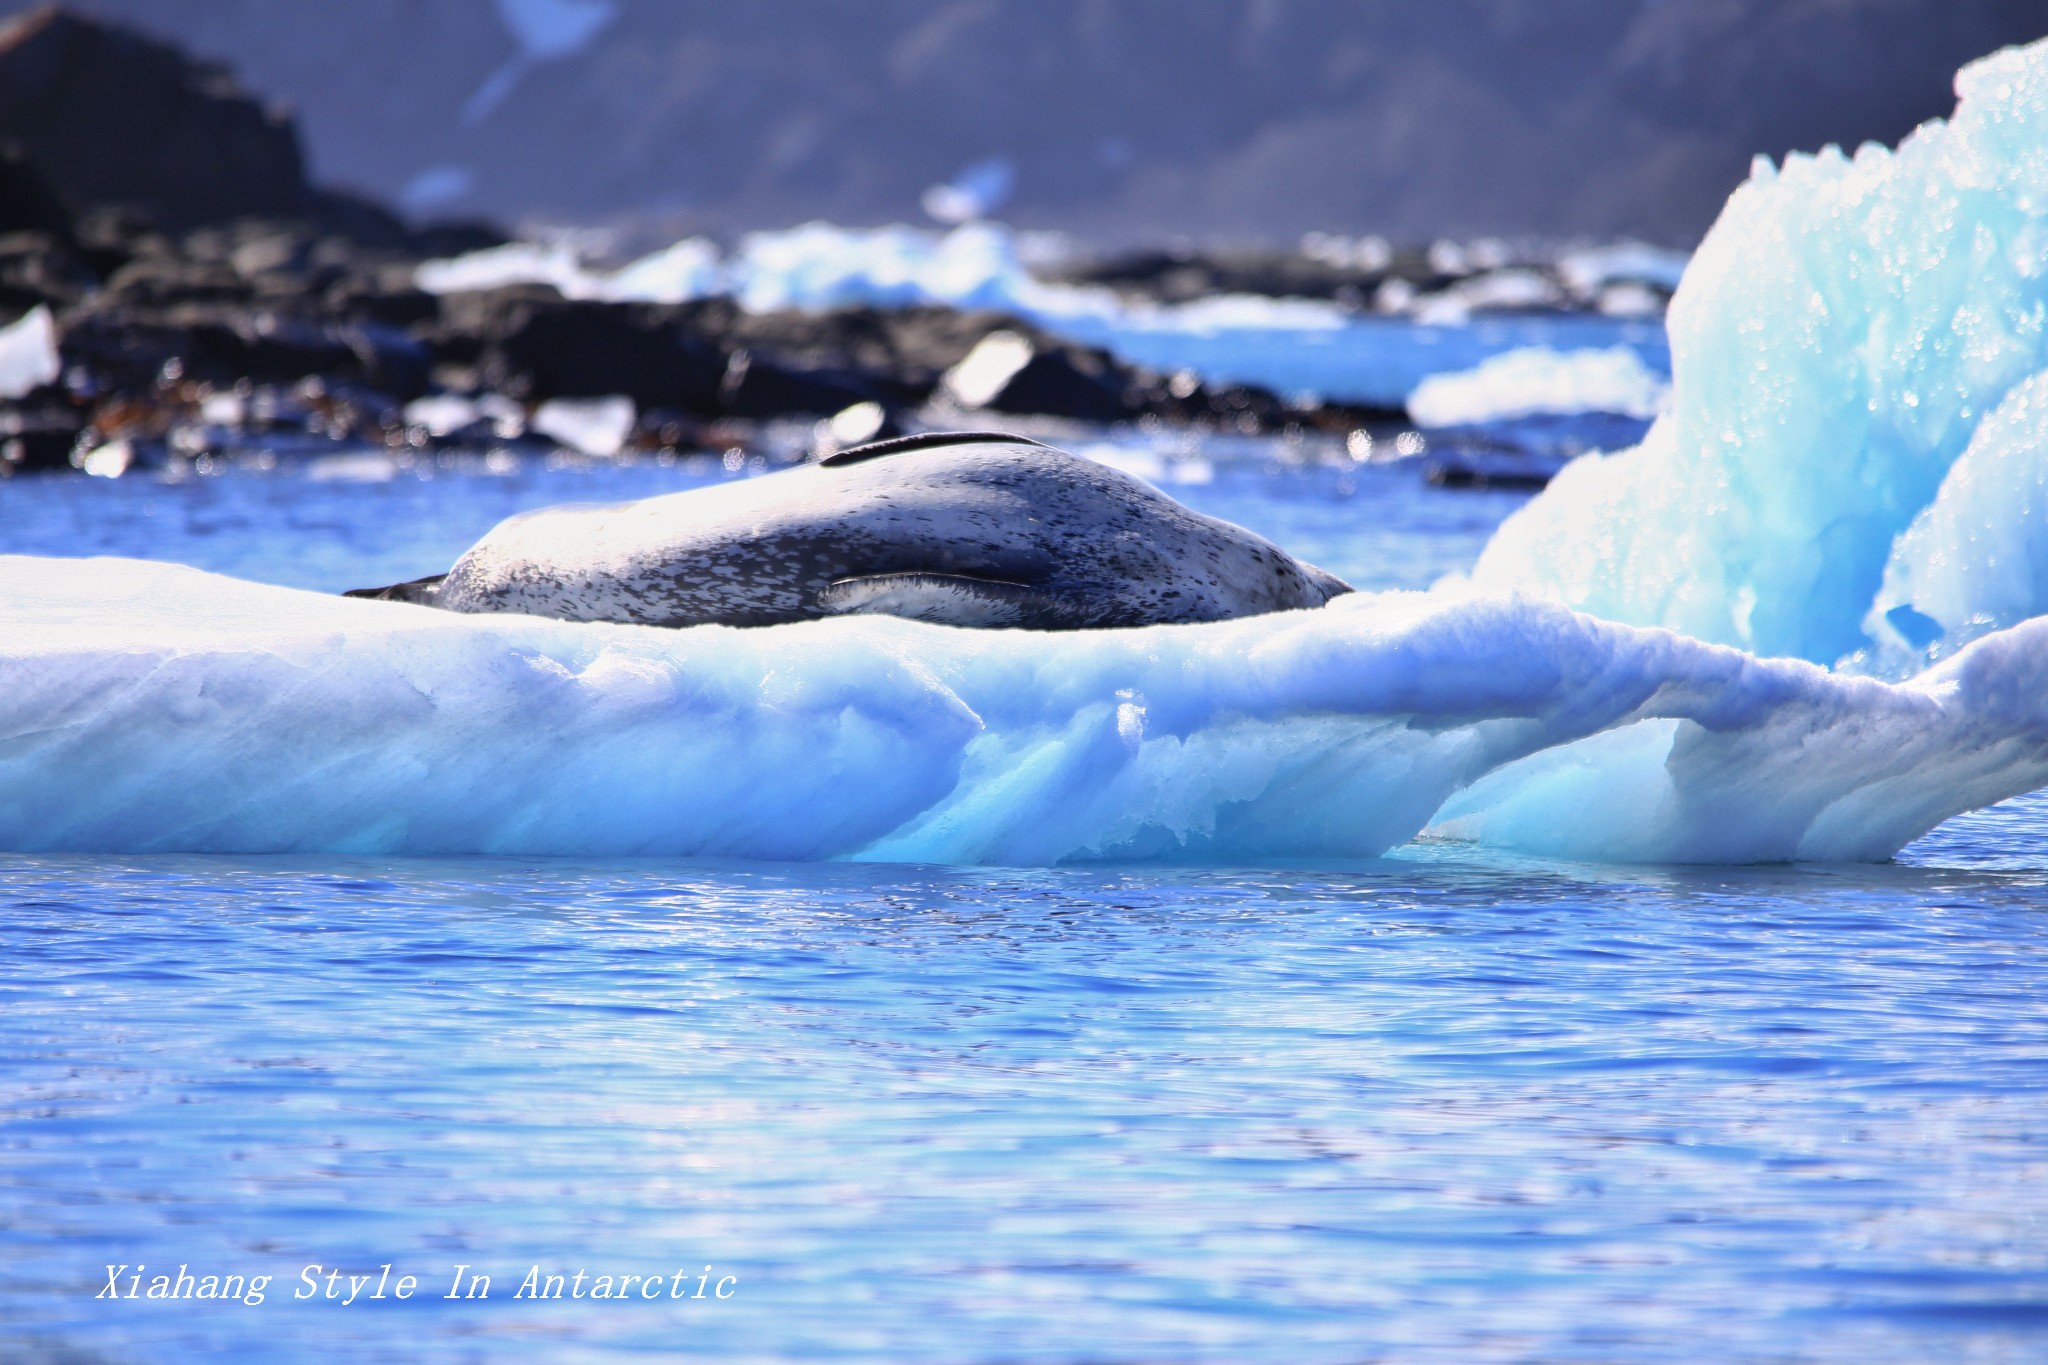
x,y
1617,933
1448,1104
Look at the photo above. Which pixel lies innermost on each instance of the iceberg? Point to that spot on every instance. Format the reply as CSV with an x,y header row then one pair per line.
x,y
263,719
1976,558
1839,340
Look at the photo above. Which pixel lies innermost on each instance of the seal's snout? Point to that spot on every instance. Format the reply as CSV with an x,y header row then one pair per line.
x,y
1330,585
424,591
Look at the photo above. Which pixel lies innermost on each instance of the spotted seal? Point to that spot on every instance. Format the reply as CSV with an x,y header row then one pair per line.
x,y
960,528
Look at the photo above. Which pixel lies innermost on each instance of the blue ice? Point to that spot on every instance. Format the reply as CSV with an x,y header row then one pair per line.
x,y
1850,327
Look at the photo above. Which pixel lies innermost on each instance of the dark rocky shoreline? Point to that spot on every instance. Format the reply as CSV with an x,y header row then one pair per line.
x,y
313,333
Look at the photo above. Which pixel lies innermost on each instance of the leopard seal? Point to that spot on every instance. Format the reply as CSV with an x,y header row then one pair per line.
x,y
959,528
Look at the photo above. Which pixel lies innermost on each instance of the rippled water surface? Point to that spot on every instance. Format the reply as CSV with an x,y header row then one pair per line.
x,y
1443,1107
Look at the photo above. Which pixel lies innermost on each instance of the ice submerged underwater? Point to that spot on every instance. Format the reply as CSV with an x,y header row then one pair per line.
x,y
1676,653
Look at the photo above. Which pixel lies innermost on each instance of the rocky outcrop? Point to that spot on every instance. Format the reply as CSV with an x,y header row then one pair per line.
x,y
114,121
27,203
114,118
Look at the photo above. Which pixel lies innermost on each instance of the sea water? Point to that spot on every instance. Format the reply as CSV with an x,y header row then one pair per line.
x,y
1448,1105
1415,1094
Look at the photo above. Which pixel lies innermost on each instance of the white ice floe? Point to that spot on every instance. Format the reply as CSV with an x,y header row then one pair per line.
x,y
593,426
1540,380
1838,340
28,353
152,707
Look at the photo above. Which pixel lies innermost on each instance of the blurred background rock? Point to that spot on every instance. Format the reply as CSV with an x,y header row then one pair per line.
x,y
1119,121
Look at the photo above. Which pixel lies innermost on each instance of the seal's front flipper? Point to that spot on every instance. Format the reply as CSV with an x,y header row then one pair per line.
x,y
421,590
943,599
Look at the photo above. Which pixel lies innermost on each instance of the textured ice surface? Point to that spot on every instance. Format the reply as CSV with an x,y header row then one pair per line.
x,y
1976,558
1291,346
1838,339
154,707
1537,380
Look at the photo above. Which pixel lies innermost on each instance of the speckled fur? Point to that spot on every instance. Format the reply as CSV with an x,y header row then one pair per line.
x,y
1066,544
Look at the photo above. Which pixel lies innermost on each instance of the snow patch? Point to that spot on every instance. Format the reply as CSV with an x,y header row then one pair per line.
x,y
592,426
28,353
